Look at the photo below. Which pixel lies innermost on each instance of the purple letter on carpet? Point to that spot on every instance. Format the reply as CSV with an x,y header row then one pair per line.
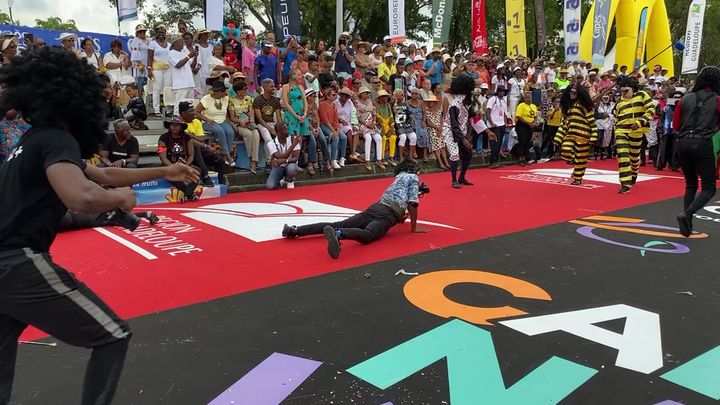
x,y
668,402
270,382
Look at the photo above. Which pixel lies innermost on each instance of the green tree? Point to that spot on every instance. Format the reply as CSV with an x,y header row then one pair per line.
x,y
5,19
55,23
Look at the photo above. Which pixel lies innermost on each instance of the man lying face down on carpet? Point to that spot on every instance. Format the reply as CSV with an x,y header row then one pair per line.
x,y
399,201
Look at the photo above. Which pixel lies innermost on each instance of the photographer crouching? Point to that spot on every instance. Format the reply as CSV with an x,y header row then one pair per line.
x,y
62,97
397,203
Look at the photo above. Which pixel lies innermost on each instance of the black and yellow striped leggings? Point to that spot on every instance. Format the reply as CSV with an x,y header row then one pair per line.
x,y
575,151
628,145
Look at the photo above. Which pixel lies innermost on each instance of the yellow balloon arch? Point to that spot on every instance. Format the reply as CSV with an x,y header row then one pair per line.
x,y
642,28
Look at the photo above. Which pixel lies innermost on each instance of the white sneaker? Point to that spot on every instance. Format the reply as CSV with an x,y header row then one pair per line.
x,y
335,164
290,185
342,162
283,183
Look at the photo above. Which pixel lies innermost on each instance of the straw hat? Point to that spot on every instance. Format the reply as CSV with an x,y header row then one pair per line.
x,y
382,93
430,97
346,91
366,44
362,90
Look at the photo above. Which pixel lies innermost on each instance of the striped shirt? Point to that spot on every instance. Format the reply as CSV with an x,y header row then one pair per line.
x,y
639,109
579,123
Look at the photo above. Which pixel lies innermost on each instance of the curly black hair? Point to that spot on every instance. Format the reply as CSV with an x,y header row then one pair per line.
x,y
709,76
463,84
53,87
583,98
407,166
628,81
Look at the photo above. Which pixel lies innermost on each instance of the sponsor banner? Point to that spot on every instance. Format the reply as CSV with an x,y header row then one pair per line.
x,y
396,14
642,30
52,37
571,27
515,28
442,14
287,18
540,26
693,37
600,30
127,10
479,27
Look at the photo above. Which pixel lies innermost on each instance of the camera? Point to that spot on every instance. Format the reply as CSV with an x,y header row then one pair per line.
x,y
127,220
424,189
342,42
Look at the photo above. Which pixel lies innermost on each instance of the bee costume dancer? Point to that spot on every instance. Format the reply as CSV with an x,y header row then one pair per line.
x,y
578,130
633,114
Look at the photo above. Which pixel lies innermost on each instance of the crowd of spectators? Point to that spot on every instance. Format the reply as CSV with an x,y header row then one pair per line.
x,y
349,102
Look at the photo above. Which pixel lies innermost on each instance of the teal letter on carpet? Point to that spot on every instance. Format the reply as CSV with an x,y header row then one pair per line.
x,y
473,371
701,374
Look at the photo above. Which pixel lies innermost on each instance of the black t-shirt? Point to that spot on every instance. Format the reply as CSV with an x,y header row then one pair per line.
x,y
176,147
124,151
31,211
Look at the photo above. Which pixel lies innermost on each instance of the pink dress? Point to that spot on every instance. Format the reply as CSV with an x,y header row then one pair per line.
x,y
248,68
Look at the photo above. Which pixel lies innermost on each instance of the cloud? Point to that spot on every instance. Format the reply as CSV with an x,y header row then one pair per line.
x,y
89,15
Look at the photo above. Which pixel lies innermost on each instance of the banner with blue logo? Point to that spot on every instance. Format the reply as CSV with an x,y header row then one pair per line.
x,y
51,37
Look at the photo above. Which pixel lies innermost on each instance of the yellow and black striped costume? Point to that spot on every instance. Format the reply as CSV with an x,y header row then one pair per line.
x,y
638,109
577,132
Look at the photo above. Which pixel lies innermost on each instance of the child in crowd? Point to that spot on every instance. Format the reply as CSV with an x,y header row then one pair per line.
x,y
404,126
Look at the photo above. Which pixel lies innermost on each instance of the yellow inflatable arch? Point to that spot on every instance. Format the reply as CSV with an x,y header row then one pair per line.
x,y
642,28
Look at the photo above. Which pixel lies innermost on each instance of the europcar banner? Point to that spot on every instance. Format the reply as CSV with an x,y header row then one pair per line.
x,y
396,14
693,37
571,26
287,18
479,27
600,30
52,37
441,14
515,27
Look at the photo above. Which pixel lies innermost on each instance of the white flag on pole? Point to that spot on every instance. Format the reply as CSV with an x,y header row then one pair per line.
x,y
214,15
693,37
11,3
127,10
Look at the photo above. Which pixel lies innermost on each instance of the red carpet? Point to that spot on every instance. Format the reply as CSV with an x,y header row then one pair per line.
x,y
198,258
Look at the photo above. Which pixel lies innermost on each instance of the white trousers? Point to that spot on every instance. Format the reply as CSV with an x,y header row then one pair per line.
x,y
161,80
267,138
369,138
404,137
180,95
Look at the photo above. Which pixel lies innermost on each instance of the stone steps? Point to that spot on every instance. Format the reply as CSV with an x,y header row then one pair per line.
x,y
246,181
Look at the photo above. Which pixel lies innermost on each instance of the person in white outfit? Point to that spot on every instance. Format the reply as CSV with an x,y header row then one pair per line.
x,y
138,57
158,65
515,92
116,62
182,65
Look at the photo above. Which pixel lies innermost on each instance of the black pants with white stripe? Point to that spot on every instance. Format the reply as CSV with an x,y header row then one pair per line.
x,y
35,291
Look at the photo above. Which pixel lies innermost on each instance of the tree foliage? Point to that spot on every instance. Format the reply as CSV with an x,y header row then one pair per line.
x,y
56,23
5,19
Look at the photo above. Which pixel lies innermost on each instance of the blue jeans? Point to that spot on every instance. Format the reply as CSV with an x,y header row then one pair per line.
x,y
338,145
277,173
224,133
312,148
323,141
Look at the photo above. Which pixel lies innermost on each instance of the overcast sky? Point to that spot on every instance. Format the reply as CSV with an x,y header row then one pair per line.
x,y
89,15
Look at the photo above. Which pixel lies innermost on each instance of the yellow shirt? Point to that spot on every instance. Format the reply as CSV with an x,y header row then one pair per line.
x,y
195,128
555,117
528,112
386,71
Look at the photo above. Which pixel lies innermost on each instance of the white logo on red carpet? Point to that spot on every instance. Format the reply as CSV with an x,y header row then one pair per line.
x,y
262,222
562,177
